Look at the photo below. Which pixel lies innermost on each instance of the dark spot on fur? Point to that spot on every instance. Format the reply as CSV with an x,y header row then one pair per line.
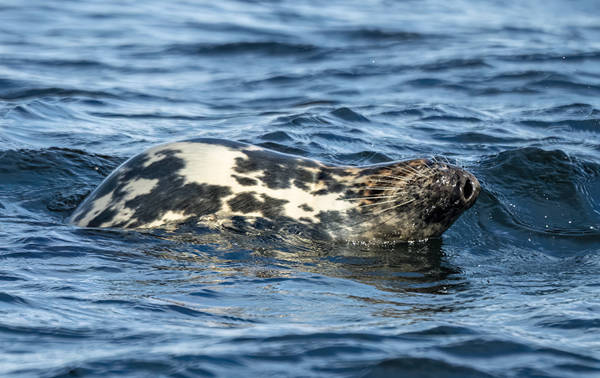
x,y
248,202
331,217
190,199
303,177
245,181
353,214
353,193
325,177
273,206
301,185
104,216
245,203
279,171
305,207
320,192
336,187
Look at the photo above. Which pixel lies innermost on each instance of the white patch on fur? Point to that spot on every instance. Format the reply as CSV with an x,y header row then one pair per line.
x,y
169,217
139,187
207,163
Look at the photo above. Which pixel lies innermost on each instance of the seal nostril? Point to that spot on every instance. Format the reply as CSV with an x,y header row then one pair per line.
x,y
467,190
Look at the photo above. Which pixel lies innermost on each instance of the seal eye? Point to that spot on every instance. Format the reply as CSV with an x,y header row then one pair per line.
x,y
467,190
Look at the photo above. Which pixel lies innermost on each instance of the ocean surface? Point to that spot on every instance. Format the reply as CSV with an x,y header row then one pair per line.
x,y
508,90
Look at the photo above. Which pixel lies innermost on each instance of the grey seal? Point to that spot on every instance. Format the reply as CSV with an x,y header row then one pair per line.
x,y
219,183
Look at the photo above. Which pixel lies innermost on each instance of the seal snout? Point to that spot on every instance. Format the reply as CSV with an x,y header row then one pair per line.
x,y
469,189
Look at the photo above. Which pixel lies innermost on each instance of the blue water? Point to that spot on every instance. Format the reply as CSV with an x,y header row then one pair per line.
x,y
508,90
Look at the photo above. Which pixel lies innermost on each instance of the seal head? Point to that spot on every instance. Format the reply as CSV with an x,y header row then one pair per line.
x,y
413,200
224,184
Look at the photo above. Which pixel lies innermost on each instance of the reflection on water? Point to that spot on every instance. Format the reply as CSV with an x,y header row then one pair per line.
x,y
402,267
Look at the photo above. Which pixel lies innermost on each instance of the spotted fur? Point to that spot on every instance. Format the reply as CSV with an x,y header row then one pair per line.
x,y
220,183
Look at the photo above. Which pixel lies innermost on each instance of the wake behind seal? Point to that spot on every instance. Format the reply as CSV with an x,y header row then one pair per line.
x,y
219,183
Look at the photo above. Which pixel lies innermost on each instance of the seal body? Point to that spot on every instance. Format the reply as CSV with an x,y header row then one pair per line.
x,y
219,183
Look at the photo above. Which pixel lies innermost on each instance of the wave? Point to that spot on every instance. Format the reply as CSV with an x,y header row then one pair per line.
x,y
25,93
544,195
53,179
375,34
268,48
552,57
